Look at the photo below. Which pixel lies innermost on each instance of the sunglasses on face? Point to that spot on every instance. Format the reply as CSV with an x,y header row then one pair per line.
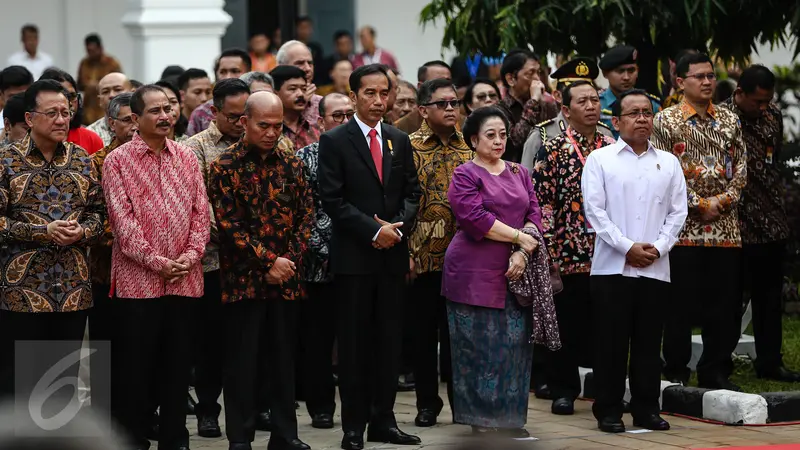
x,y
484,95
443,104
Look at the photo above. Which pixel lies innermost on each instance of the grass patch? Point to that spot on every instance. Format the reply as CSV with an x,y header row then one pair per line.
x,y
744,373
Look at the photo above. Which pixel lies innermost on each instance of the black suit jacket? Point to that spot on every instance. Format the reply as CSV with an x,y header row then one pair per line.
x,y
351,194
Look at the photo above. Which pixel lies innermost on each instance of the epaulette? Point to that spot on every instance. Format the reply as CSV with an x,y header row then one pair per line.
x,y
546,122
606,111
654,98
561,126
603,124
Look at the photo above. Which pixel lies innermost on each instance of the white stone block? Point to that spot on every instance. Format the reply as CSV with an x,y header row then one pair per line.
x,y
734,407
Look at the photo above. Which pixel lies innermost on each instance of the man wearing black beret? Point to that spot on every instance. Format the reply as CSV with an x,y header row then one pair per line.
x,y
620,68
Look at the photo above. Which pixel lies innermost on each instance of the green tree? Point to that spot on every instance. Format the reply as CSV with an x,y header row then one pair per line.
x,y
657,28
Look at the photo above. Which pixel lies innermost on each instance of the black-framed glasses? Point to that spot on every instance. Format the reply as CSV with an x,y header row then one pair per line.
x,y
710,76
647,114
443,104
484,95
52,115
233,118
339,116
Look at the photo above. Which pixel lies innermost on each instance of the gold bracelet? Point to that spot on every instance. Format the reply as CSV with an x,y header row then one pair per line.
x,y
516,238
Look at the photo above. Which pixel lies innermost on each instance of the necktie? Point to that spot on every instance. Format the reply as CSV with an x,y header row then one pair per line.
x,y
375,149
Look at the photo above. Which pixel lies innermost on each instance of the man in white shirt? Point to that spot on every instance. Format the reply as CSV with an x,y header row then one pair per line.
x,y
635,200
30,57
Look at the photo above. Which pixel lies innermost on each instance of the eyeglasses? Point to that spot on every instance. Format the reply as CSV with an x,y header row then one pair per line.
x,y
711,76
443,104
51,115
339,116
73,95
128,119
233,118
483,95
636,114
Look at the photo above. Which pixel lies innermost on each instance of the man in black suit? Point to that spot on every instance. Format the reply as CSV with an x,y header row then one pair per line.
x,y
369,188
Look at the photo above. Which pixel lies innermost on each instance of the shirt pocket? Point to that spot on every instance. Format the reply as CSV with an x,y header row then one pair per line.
x,y
660,184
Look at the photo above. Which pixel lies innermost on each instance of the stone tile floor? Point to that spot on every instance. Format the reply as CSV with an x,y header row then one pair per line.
x,y
553,432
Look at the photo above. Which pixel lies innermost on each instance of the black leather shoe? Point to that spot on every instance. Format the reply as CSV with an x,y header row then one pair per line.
x,y
426,418
779,373
563,407
719,383
191,404
208,427
322,421
651,422
611,426
353,441
264,421
392,436
279,443
514,433
406,383
543,392
239,446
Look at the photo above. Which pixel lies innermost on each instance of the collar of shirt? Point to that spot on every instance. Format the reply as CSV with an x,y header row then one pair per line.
x,y
31,149
142,148
608,98
213,132
365,129
688,110
282,146
23,55
622,145
301,124
427,135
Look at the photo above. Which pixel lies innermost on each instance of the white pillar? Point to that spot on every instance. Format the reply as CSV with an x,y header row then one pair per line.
x,y
181,32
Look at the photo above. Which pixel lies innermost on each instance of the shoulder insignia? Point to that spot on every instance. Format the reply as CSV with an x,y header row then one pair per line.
x,y
605,111
654,98
603,124
546,122
562,126
543,132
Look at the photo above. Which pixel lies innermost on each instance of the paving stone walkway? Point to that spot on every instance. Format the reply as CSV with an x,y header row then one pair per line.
x,y
553,432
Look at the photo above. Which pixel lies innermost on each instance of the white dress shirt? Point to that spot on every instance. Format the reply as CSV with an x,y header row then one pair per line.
x,y
631,198
35,65
365,129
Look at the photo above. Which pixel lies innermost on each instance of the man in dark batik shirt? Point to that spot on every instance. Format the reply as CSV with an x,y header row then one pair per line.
x,y
52,210
265,211
762,217
526,103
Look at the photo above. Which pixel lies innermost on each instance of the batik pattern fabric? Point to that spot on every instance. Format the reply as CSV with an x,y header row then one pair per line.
x,y
306,134
558,189
264,209
712,154
492,355
524,117
316,262
762,210
100,254
435,225
207,146
39,275
158,209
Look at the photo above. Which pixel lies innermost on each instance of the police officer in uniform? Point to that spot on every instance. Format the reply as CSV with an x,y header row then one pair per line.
x,y
621,70
578,69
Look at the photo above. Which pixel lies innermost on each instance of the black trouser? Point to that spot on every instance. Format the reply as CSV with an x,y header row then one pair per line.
x,y
573,310
260,339
539,366
627,314
49,326
407,357
209,351
153,341
318,316
101,329
429,321
370,327
706,283
763,274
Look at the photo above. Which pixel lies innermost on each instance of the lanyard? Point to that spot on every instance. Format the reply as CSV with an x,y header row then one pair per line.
x,y
598,142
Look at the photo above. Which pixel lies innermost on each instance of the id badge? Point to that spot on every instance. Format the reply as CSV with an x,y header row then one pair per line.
x,y
769,155
728,167
588,225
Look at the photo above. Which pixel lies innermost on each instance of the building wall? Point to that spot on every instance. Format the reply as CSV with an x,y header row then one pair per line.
x,y
399,31
65,43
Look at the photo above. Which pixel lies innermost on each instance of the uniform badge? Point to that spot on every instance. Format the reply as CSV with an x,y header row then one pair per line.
x,y
391,149
582,70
